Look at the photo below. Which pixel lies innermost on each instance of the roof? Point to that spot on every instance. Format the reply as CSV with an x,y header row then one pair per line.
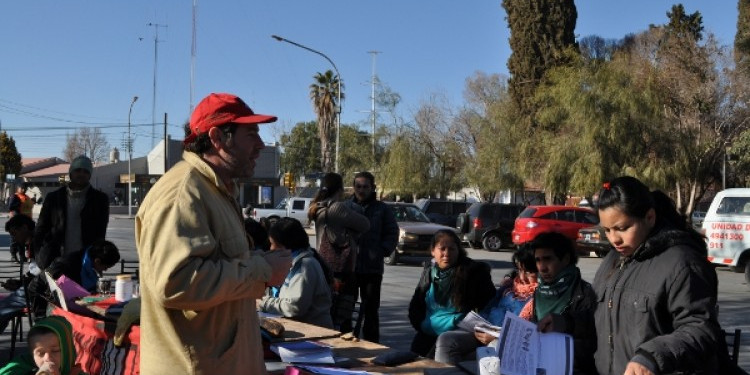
x,y
55,170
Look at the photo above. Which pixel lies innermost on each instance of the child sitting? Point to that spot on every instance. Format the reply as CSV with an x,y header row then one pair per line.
x,y
51,350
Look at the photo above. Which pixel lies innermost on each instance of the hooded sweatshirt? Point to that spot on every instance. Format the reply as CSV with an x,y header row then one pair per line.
x,y
24,364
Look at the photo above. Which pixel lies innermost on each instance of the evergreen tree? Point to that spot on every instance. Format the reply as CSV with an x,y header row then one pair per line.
x,y
10,159
742,39
540,33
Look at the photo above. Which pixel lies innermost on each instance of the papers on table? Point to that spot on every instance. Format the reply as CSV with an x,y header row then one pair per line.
x,y
475,322
326,371
303,352
523,350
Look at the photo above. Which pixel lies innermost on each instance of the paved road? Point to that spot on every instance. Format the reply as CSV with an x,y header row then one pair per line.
x,y
399,283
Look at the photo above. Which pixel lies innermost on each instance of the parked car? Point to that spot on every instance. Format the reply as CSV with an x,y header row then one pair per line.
x,y
562,219
442,211
727,230
593,239
488,225
415,232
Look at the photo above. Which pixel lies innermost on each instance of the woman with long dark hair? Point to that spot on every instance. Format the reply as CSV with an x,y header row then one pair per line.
x,y
452,284
338,223
657,292
514,295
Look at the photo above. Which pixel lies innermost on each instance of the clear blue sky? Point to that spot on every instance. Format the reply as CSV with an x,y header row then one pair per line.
x,y
67,64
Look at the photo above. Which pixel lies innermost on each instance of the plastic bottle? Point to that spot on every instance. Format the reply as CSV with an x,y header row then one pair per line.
x,y
123,288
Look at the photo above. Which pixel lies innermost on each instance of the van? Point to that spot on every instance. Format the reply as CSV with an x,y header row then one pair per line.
x,y
442,212
727,230
488,225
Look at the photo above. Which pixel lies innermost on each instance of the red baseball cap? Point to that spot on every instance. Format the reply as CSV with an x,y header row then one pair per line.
x,y
219,109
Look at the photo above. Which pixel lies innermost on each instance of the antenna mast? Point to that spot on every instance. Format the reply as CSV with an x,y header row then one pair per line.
x,y
373,114
156,65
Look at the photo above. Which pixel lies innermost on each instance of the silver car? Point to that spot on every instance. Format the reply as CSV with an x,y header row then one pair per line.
x,y
415,232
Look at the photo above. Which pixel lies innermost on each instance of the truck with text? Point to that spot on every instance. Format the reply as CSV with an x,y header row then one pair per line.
x,y
727,230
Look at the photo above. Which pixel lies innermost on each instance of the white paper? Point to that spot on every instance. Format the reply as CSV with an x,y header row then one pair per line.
x,y
522,349
487,361
493,331
303,352
472,320
332,370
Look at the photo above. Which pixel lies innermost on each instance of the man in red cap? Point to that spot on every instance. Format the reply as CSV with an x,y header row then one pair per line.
x,y
199,278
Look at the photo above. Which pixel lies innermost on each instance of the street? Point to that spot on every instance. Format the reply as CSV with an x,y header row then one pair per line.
x,y
399,283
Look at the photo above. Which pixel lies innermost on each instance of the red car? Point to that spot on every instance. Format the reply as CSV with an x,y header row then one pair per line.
x,y
563,219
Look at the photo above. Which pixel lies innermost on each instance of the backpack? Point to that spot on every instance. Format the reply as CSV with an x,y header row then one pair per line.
x,y
336,248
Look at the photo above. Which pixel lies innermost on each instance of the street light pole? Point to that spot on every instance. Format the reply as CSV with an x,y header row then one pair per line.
x,y
130,158
338,92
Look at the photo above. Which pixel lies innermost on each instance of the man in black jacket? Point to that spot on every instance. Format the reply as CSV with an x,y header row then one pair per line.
x,y
374,245
72,217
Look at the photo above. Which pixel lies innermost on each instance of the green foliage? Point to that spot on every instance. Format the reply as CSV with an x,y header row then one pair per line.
x,y
540,32
324,94
10,159
405,169
301,149
742,38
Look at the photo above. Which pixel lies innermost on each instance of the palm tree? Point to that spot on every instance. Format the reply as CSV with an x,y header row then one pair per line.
x,y
324,96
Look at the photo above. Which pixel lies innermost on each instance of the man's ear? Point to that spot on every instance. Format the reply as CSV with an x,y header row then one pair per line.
x,y
216,137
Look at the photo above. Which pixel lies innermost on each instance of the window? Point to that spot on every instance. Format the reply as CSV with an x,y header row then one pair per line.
x,y
298,205
734,205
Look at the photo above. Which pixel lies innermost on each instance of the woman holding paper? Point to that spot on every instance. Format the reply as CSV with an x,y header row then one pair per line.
x,y
451,285
657,292
514,295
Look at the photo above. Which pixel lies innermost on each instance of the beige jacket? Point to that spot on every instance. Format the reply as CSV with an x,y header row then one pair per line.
x,y
199,280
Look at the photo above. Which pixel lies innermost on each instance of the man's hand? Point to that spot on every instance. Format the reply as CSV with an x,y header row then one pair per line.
x,y
280,262
635,368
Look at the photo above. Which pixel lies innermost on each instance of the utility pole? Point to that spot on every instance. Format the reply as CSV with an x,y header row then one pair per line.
x,y
193,50
156,27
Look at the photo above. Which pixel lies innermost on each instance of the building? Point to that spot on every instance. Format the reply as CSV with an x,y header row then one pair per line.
x,y
43,175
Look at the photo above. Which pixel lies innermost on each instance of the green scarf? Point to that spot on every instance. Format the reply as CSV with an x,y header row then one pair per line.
x,y
442,281
553,297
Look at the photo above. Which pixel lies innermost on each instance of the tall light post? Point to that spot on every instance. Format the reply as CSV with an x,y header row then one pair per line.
x,y
130,158
338,93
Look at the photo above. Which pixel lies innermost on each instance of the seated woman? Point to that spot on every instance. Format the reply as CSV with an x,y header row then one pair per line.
x,y
514,295
87,265
51,350
451,285
305,294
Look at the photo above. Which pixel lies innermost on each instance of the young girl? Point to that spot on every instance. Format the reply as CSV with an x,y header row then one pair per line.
x,y
305,294
51,350
657,292
451,285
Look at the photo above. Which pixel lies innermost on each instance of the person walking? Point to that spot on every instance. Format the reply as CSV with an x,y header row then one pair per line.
x,y
72,217
199,277
375,244
657,291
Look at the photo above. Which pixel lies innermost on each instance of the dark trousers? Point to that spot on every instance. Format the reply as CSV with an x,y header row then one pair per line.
x,y
368,287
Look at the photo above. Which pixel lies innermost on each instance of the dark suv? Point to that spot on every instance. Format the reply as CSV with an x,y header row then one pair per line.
x,y
442,211
488,225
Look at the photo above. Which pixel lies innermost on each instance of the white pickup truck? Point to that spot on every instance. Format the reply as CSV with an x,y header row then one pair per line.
x,y
295,207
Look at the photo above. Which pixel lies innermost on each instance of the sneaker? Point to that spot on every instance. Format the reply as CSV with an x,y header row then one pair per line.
x,y
14,259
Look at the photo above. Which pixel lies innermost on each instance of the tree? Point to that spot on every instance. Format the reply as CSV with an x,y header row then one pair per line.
x,y
486,131
324,95
540,33
10,159
301,149
86,141
405,167
742,38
